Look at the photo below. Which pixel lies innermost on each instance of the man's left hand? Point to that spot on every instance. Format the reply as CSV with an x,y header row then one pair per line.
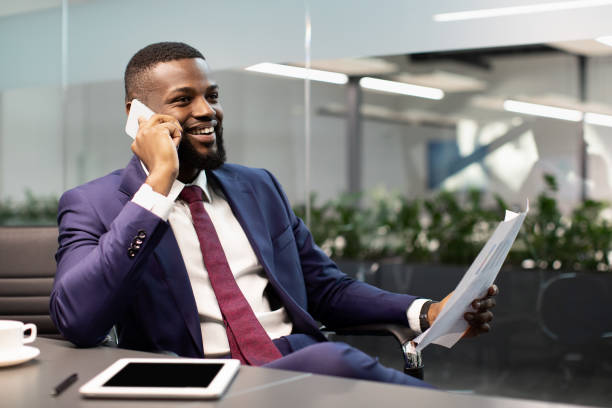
x,y
478,320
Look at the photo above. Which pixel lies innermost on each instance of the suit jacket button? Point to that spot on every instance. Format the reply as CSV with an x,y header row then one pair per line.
x,y
131,253
142,234
137,241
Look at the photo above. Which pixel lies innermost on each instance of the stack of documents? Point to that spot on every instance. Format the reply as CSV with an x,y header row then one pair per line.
x,y
450,325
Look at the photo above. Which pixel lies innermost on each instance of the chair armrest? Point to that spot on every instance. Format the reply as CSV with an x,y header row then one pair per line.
x,y
413,361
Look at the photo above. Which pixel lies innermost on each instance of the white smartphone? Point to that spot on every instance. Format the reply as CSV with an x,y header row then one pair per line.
x,y
137,109
163,378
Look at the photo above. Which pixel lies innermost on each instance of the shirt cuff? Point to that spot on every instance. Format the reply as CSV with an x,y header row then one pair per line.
x,y
153,201
414,313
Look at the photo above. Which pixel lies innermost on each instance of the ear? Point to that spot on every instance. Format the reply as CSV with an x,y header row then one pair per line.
x,y
128,105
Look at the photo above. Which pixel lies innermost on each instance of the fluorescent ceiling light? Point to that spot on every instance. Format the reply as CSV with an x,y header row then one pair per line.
x,y
297,72
543,110
401,88
607,40
598,119
516,10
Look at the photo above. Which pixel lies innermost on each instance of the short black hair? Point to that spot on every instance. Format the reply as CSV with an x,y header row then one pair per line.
x,y
136,72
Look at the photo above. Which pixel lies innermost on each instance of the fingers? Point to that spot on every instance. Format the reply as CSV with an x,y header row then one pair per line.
x,y
157,122
158,119
484,304
476,330
174,130
488,301
491,292
477,319
156,145
479,323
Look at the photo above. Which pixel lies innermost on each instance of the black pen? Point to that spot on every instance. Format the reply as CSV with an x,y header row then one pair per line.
x,y
61,387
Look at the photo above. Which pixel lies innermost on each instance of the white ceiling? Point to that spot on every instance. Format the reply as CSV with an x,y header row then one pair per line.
x,y
103,34
12,7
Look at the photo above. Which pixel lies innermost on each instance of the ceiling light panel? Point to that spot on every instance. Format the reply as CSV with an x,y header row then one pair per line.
x,y
543,110
401,88
518,10
299,73
598,119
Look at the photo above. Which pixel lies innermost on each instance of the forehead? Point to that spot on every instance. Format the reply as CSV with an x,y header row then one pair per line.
x,y
188,72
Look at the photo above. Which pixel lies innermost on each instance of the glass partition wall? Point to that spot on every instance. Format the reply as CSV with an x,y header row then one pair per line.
x,y
434,150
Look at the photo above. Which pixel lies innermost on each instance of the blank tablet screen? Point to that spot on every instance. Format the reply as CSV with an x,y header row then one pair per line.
x,y
164,375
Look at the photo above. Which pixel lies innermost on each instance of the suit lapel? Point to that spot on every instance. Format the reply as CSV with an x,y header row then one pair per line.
x,y
132,178
242,201
168,256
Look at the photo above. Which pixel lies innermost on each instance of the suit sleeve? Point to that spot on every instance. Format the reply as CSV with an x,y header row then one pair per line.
x,y
98,266
334,298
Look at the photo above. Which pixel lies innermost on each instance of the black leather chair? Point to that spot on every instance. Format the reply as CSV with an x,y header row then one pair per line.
x,y
27,268
575,312
574,309
413,361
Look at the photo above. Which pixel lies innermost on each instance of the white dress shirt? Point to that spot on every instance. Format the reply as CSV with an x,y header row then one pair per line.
x,y
243,263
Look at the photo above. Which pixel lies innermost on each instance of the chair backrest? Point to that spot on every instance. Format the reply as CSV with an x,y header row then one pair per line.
x,y
27,268
575,308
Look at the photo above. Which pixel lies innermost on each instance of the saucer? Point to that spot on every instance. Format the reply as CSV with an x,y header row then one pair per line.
x,y
25,353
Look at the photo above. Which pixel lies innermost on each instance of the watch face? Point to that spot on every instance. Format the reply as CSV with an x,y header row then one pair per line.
x,y
423,321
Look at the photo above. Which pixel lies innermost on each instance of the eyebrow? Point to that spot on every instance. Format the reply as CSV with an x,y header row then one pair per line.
x,y
190,89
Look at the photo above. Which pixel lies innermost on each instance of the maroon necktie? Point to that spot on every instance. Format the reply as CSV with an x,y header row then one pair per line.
x,y
248,340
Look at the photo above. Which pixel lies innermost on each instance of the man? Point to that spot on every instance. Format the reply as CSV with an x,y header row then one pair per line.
x,y
221,267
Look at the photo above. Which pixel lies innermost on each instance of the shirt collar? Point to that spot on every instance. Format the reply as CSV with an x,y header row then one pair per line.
x,y
200,181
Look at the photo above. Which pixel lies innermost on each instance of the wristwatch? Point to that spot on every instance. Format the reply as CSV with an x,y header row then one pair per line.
x,y
423,321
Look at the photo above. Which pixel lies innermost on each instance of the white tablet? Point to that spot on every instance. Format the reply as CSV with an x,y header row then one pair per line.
x,y
163,378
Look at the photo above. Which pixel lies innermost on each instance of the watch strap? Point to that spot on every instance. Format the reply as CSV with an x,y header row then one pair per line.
x,y
423,321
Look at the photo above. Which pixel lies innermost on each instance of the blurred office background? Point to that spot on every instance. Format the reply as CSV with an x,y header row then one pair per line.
x,y
485,123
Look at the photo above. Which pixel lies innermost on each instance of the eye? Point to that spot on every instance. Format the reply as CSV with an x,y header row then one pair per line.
x,y
213,96
182,99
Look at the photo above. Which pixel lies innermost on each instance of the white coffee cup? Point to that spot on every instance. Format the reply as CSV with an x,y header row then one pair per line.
x,y
12,335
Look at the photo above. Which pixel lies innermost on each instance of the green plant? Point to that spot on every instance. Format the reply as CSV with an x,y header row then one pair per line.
x,y
579,241
34,210
544,227
452,227
460,225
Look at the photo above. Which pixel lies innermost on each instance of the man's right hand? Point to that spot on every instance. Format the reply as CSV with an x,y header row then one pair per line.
x,y
155,145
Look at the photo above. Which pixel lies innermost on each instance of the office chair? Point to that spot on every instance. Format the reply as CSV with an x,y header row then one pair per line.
x,y
27,268
574,310
413,361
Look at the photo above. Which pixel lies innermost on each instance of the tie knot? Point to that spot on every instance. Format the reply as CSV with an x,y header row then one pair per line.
x,y
191,194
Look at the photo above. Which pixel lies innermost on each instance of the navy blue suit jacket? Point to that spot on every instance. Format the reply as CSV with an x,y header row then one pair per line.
x,y
148,295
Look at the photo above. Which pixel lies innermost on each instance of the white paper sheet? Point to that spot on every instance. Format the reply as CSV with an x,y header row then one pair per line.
x,y
450,325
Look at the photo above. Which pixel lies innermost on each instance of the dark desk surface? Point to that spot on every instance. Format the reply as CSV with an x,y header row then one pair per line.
x,y
29,385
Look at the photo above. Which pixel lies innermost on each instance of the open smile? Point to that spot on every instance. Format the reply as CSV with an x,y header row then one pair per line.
x,y
204,134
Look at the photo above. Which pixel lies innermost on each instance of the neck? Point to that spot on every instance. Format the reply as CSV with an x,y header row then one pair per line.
x,y
187,175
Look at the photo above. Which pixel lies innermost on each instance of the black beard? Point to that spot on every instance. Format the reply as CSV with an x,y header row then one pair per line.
x,y
188,154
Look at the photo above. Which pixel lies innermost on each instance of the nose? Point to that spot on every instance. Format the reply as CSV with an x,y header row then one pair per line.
x,y
203,109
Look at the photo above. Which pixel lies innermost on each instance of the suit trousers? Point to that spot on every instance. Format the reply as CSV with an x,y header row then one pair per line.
x,y
304,353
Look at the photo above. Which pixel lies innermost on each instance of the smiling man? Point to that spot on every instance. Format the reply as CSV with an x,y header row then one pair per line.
x,y
185,253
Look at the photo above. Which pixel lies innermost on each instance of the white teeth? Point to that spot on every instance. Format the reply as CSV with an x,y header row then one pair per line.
x,y
203,131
